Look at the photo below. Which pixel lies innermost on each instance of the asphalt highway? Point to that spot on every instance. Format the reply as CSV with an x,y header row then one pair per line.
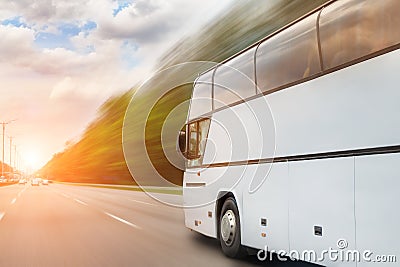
x,y
64,225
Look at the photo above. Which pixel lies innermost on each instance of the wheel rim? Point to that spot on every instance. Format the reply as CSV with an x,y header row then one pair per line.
x,y
228,227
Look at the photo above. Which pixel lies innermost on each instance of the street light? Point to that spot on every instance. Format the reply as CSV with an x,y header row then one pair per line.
x,y
4,132
11,142
15,157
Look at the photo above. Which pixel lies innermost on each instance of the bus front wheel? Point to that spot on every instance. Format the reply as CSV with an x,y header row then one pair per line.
x,y
229,230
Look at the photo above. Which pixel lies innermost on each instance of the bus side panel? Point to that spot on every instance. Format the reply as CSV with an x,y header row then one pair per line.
x,y
242,132
199,198
269,202
353,108
321,194
377,201
201,189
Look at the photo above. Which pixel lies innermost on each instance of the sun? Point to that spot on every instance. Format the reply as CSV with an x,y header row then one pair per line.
x,y
32,159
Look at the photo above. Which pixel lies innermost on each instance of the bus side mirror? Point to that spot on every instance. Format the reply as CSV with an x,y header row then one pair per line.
x,y
182,141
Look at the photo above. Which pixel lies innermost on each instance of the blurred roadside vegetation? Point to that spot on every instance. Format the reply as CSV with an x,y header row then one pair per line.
x,y
98,156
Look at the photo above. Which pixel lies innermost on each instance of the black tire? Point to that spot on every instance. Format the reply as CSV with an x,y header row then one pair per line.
x,y
233,246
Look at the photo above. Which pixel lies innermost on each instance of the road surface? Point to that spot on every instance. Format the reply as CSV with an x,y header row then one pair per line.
x,y
64,225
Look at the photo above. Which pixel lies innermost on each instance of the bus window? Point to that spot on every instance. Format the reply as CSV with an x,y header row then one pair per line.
x,y
234,80
193,140
289,56
198,132
201,98
353,29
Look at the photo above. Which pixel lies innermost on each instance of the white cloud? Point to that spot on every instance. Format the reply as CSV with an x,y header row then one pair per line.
x,y
15,43
64,87
152,25
42,12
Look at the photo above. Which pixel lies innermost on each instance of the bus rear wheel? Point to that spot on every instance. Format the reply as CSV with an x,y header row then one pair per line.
x,y
229,230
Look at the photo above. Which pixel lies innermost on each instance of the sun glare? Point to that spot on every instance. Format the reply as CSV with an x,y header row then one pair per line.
x,y
32,159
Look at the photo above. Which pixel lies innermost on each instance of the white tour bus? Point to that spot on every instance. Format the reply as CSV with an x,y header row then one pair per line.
x,y
294,143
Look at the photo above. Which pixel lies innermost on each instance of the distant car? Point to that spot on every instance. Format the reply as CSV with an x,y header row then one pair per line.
x,y
45,182
35,182
22,181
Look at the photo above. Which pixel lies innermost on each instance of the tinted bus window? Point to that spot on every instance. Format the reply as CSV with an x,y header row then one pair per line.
x,y
352,29
197,141
201,98
288,56
234,80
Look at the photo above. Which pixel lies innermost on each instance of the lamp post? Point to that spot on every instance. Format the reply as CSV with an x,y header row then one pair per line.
x,y
4,132
2,161
15,157
11,138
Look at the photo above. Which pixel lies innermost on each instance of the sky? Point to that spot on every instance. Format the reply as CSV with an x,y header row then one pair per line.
x,y
61,59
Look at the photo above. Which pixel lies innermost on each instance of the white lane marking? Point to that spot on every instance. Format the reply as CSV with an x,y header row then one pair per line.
x,y
13,201
81,202
1,215
122,220
64,195
22,191
142,202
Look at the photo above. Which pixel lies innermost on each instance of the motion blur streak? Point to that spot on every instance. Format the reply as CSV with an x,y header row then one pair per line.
x,y
97,156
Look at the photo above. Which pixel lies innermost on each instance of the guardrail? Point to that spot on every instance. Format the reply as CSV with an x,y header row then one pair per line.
x,y
153,189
